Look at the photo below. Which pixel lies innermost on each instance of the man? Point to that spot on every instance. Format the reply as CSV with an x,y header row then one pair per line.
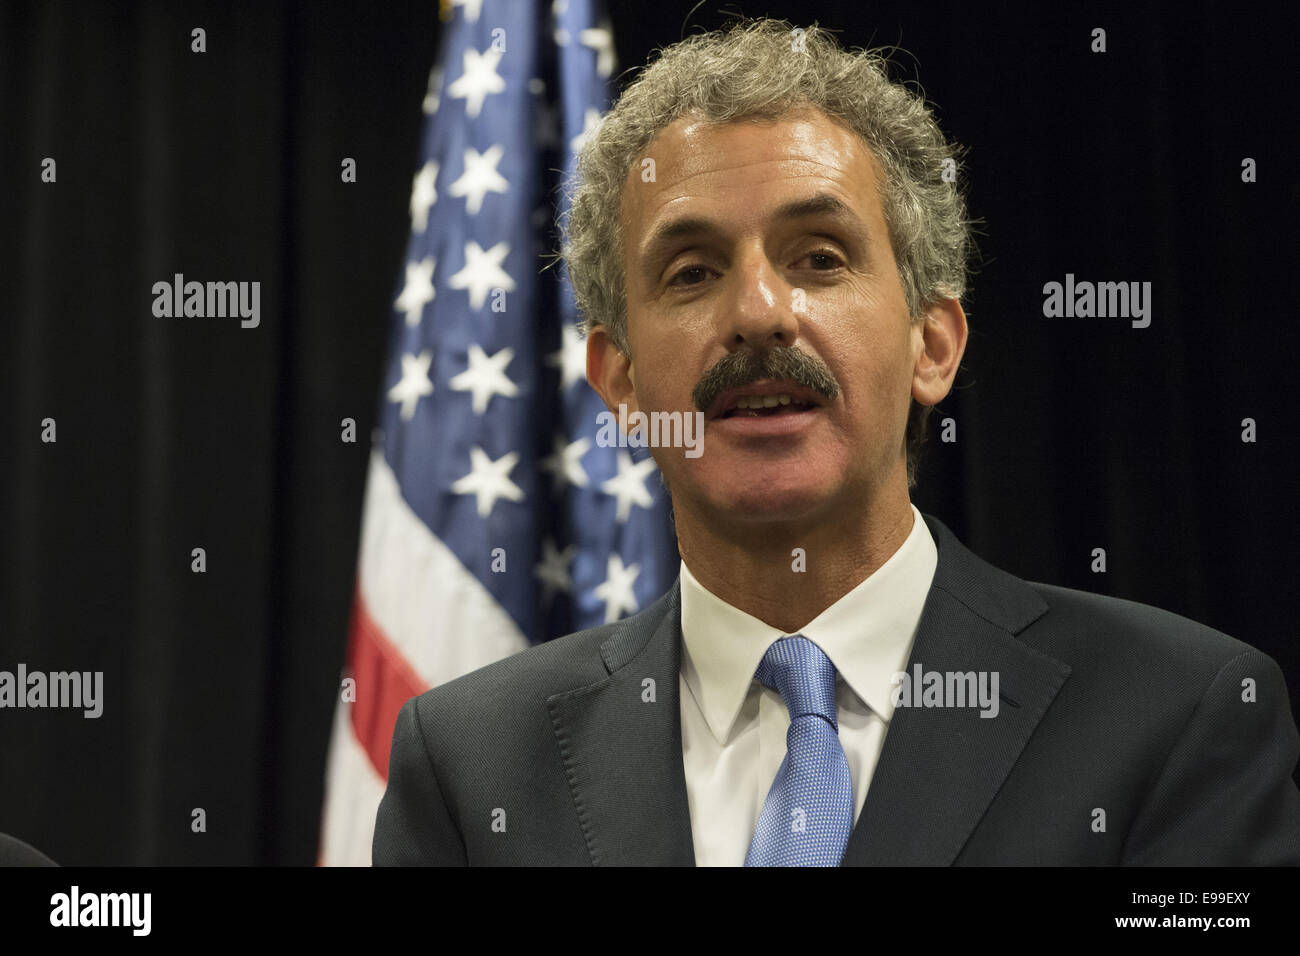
x,y
763,232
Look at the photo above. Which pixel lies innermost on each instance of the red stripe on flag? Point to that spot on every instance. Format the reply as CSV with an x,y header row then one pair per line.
x,y
385,681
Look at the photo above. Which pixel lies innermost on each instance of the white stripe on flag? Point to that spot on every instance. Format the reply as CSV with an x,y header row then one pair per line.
x,y
352,794
436,614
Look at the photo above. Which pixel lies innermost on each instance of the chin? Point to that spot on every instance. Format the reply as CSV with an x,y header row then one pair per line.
x,y
759,501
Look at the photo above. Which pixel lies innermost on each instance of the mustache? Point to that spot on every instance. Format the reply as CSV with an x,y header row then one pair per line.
x,y
745,367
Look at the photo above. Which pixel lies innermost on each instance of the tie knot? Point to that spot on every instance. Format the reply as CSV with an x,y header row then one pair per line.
x,y
803,675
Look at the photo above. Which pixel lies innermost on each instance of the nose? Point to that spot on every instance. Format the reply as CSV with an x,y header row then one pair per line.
x,y
758,309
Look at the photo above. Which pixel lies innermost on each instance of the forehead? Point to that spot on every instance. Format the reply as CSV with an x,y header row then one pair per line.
x,y
736,171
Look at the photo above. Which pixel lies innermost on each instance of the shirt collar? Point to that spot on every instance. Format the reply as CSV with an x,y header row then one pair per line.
x,y
867,634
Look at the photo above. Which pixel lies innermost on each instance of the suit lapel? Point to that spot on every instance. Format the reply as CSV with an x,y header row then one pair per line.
x,y
622,752
940,767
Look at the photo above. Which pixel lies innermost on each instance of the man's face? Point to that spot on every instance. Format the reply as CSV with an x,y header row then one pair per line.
x,y
786,247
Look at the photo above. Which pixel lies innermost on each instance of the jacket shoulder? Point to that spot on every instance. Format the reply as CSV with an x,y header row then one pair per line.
x,y
1117,627
503,691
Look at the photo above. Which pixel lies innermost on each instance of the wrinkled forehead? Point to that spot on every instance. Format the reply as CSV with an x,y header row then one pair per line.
x,y
745,170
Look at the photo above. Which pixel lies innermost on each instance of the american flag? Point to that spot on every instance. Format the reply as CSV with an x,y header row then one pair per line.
x,y
492,519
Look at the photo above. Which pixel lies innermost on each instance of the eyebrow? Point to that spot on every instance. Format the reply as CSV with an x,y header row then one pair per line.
x,y
822,204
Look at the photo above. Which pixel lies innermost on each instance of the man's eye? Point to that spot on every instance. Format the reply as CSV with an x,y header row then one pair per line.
x,y
695,274
823,260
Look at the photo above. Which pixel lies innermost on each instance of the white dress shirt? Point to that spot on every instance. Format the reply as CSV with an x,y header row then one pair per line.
x,y
734,728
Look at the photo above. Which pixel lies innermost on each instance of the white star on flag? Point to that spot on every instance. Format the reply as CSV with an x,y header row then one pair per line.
x,y
553,569
433,93
571,358
486,377
489,480
565,462
414,384
591,120
472,8
558,9
478,80
479,178
483,272
600,39
616,592
423,195
418,291
628,486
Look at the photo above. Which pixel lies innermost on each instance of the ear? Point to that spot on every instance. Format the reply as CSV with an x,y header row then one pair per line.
x,y
609,370
938,343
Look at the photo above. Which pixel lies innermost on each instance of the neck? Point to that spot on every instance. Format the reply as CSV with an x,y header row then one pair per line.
x,y
753,566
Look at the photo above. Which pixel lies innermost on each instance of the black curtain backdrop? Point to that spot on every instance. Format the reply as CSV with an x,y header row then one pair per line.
x,y
174,434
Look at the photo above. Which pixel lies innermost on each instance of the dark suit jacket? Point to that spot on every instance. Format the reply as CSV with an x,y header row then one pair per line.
x,y
1107,705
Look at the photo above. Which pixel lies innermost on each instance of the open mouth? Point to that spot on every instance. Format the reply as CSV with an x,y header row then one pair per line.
x,y
767,406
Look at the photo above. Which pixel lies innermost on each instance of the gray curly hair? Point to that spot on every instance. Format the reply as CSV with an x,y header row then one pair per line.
x,y
763,69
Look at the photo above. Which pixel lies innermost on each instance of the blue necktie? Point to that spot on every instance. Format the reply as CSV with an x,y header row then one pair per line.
x,y
808,814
